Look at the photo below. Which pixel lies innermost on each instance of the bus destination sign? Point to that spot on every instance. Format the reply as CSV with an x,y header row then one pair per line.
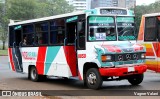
x,y
113,11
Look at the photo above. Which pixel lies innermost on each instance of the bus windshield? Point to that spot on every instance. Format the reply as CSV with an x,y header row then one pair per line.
x,y
103,28
126,28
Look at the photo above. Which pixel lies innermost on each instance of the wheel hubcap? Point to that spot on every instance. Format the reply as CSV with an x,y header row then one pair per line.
x,y
33,74
92,78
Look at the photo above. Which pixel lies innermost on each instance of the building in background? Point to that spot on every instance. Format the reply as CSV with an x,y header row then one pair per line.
x,y
111,3
2,1
130,3
79,5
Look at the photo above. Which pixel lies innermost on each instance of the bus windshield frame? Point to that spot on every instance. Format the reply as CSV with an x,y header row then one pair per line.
x,y
113,35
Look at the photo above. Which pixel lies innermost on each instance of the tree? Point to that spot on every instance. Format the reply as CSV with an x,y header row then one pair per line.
x,y
21,9
3,24
52,7
146,9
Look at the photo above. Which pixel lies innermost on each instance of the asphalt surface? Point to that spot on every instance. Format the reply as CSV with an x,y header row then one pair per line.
x,y
10,80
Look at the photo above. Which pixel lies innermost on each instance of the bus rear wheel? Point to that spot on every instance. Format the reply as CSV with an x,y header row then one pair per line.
x,y
34,75
136,79
93,79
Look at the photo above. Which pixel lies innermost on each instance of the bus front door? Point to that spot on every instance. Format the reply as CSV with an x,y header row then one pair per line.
x,y
17,57
70,47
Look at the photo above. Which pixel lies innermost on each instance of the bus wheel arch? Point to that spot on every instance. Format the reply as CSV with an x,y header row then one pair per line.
x,y
92,78
33,74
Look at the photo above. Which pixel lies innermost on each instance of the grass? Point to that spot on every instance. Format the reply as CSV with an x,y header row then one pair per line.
x,y
3,52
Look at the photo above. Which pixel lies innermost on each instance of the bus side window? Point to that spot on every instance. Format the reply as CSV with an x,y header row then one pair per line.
x,y
28,35
11,35
42,33
57,31
150,29
81,35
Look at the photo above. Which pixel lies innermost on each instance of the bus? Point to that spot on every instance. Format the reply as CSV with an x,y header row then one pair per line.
x,y
94,45
149,36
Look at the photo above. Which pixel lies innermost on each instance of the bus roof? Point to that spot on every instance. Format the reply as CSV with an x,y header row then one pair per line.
x,y
152,14
45,18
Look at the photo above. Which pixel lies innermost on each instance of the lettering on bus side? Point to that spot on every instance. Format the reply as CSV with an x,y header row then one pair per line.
x,y
81,55
29,55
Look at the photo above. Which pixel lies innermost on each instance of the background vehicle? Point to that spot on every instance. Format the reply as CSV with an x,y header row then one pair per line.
x,y
149,36
95,45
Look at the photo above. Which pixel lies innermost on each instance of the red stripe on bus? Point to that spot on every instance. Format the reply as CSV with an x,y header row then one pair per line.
x,y
71,58
41,60
11,59
79,75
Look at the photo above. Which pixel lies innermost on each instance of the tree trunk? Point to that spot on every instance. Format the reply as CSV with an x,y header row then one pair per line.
x,y
3,45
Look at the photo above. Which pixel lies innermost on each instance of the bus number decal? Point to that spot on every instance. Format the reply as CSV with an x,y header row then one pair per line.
x,y
81,55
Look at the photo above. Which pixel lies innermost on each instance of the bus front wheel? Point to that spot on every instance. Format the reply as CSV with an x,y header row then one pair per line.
x,y
135,79
93,79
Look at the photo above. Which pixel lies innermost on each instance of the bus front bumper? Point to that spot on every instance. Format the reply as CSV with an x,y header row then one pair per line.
x,y
123,71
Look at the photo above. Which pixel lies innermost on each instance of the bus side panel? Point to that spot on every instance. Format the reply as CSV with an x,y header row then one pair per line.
x,y
56,63
70,54
41,60
11,63
151,55
49,60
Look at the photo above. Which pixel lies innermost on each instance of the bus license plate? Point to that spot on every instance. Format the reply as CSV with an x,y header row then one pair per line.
x,y
131,69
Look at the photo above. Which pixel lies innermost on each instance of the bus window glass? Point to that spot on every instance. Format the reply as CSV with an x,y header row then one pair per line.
x,y
28,35
150,29
42,33
126,28
57,31
101,28
11,35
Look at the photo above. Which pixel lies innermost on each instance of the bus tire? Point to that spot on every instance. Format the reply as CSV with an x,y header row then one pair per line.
x,y
34,74
93,79
136,79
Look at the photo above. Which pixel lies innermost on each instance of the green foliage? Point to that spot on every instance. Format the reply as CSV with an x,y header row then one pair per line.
x,y
21,9
29,9
146,9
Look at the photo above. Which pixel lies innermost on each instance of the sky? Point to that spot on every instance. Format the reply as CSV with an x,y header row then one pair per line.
x,y
146,2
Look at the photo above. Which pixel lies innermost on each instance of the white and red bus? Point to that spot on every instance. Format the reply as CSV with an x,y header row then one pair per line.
x,y
149,36
94,45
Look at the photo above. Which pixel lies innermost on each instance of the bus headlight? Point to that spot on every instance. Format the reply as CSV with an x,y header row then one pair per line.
x,y
143,55
106,58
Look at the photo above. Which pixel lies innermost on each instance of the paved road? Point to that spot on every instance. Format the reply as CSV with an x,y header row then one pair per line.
x,y
14,81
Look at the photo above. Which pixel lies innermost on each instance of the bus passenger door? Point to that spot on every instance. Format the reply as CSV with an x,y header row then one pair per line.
x,y
17,57
70,46
81,52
